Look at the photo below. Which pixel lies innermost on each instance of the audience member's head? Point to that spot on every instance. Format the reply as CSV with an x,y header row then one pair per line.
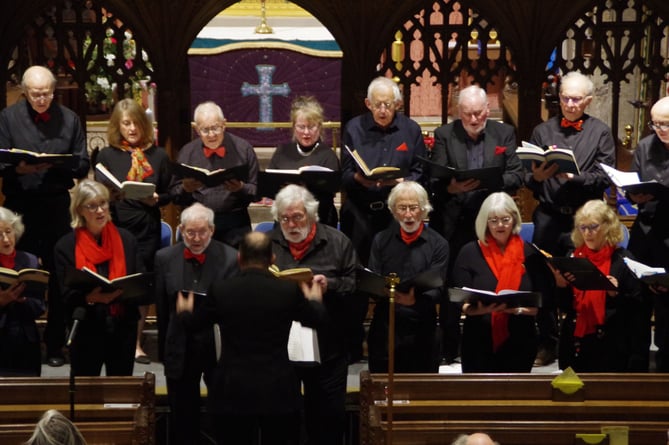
x,y
255,250
474,439
197,227
55,429
296,210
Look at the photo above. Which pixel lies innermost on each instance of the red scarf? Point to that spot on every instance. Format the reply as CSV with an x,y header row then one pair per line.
x,y
140,167
508,268
298,250
590,305
88,253
8,260
409,238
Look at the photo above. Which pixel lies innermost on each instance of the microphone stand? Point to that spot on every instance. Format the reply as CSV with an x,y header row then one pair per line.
x,y
72,388
392,280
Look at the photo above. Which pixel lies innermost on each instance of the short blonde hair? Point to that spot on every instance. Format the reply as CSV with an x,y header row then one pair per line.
x,y
136,113
85,190
494,204
604,214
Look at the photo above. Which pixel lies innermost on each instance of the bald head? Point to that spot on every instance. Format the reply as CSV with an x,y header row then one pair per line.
x,y
37,77
660,111
474,439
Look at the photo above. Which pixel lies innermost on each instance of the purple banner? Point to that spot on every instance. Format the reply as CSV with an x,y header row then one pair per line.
x,y
258,85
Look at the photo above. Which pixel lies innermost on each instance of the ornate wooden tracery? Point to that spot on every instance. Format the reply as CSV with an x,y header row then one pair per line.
x,y
625,43
439,46
85,44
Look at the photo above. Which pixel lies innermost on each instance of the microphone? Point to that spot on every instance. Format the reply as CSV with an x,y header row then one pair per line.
x,y
78,315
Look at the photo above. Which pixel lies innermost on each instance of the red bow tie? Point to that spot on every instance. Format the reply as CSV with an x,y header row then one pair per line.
x,y
199,257
44,117
220,151
577,125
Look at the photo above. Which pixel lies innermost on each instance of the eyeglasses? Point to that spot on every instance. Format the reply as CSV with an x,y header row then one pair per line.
x,y
7,233
505,221
658,126
386,105
589,227
214,129
93,207
305,128
192,234
574,99
295,219
413,208
40,96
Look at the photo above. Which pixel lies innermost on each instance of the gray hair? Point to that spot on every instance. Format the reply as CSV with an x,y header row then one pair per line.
x,y
574,77
294,194
85,190
54,428
205,108
197,212
495,203
384,83
410,188
14,220
473,93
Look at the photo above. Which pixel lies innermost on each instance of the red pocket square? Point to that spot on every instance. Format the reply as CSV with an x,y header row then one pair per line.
x,y
500,150
402,147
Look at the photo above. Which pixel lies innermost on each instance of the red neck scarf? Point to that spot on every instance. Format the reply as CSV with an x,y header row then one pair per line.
x,y
576,125
140,167
88,253
590,305
199,257
8,260
298,250
209,152
508,267
409,238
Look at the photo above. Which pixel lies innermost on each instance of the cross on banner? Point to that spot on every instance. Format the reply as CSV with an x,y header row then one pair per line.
x,y
265,90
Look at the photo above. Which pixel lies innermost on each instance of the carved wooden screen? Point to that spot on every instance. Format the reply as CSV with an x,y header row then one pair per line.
x,y
84,43
445,44
624,45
